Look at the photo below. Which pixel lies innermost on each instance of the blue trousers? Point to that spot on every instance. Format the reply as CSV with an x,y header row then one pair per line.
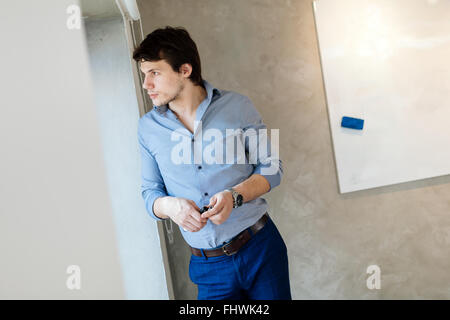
x,y
258,271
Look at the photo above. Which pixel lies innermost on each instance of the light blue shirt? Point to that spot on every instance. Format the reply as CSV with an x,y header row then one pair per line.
x,y
171,169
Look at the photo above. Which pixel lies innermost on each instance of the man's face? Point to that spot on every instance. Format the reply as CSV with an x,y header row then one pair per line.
x,y
163,85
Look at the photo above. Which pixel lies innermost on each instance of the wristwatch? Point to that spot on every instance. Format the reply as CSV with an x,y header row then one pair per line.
x,y
237,198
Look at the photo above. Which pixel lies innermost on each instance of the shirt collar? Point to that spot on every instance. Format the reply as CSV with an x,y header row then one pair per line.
x,y
211,91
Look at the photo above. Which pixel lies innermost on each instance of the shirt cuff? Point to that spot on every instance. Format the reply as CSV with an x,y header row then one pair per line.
x,y
274,179
150,200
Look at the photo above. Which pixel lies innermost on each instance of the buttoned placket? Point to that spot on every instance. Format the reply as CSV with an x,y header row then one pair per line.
x,y
199,113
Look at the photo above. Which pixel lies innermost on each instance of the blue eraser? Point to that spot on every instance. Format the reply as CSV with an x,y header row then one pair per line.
x,y
352,123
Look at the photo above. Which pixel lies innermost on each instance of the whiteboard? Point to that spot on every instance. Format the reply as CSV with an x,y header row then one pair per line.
x,y
387,62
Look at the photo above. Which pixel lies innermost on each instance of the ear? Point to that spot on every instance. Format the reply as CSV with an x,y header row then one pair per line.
x,y
186,70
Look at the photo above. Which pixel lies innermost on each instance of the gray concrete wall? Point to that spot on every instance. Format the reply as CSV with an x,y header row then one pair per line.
x,y
268,50
118,114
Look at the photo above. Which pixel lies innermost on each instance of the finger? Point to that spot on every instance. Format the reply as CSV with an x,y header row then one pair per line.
x,y
187,226
222,210
211,212
201,226
216,219
212,202
196,213
197,217
221,216
204,219
196,221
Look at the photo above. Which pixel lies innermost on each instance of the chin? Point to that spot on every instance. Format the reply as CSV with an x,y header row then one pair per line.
x,y
159,102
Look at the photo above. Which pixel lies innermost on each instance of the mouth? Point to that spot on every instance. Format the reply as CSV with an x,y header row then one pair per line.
x,y
153,95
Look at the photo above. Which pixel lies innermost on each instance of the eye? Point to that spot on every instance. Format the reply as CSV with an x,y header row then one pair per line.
x,y
155,73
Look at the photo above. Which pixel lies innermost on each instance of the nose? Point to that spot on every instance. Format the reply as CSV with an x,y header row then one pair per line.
x,y
148,84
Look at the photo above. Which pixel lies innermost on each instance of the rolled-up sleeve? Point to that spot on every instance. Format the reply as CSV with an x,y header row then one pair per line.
x,y
265,160
152,182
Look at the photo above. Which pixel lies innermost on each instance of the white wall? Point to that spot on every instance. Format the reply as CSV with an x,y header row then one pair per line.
x,y
115,96
54,205
396,70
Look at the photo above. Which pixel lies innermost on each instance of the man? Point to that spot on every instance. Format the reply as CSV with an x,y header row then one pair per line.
x,y
237,251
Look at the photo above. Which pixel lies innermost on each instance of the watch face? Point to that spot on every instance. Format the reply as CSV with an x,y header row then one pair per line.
x,y
239,200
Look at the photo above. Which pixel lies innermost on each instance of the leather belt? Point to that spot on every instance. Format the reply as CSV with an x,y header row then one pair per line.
x,y
234,245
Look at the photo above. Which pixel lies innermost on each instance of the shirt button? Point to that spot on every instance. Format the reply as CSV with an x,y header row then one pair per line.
x,y
199,167
192,139
206,193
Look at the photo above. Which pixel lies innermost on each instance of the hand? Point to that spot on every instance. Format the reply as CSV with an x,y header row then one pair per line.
x,y
222,204
185,213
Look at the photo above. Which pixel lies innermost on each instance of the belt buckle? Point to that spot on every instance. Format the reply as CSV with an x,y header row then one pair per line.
x,y
226,252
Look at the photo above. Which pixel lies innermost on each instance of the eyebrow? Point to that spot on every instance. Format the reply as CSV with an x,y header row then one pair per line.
x,y
151,70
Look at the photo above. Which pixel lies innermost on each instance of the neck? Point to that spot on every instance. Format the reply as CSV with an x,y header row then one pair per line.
x,y
188,100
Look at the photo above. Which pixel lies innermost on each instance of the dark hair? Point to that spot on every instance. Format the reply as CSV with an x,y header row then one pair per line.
x,y
175,46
